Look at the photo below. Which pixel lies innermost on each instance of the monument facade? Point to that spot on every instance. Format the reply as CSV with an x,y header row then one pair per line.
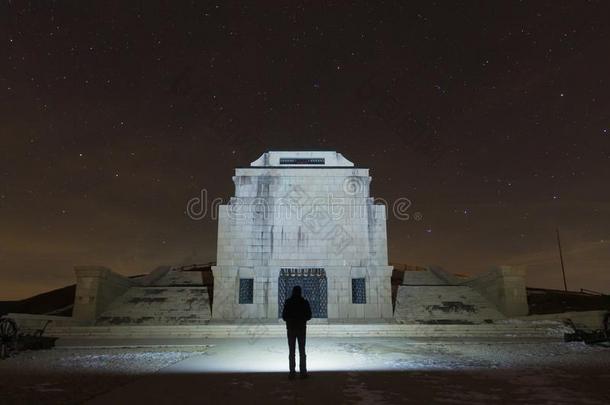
x,y
302,218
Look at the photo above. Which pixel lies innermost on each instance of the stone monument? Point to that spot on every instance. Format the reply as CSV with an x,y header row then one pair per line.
x,y
302,218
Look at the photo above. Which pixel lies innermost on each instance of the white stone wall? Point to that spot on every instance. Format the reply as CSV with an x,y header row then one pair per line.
x,y
289,217
443,303
96,288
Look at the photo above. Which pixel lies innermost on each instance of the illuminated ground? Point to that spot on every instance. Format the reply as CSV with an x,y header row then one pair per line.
x,y
363,370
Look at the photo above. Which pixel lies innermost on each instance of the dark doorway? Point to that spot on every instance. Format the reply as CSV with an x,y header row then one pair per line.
x,y
313,284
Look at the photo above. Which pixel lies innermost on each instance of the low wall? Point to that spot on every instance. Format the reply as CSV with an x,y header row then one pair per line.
x,y
96,288
581,319
504,286
443,304
155,335
28,323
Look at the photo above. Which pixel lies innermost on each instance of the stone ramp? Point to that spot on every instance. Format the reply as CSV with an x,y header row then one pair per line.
x,y
421,276
178,277
443,304
180,305
513,330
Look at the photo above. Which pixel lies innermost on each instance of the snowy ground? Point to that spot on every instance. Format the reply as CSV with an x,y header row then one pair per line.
x,y
73,375
366,370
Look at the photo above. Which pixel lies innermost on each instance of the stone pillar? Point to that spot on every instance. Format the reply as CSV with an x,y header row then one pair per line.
x,y
384,283
96,288
504,286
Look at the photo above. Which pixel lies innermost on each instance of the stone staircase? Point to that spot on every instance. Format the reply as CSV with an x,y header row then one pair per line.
x,y
443,304
503,331
155,305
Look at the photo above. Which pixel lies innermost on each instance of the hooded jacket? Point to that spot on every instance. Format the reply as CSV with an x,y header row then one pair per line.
x,y
296,311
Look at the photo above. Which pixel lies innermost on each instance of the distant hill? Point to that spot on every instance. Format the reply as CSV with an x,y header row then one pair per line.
x,y
61,301
55,302
545,301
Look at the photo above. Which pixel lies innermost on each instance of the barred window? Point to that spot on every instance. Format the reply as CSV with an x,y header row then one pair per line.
x,y
246,290
301,161
358,291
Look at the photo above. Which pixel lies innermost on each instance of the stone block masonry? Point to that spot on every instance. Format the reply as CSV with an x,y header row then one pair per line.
x,y
297,211
96,288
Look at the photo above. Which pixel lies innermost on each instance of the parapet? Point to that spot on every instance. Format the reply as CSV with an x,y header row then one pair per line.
x,y
301,159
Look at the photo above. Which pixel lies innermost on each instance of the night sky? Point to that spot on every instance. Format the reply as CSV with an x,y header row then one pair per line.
x,y
492,118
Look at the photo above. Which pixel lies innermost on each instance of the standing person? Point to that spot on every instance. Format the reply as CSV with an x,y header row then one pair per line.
x,y
296,313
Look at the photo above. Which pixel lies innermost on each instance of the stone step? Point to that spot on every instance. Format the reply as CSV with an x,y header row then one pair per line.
x,y
521,330
184,305
443,303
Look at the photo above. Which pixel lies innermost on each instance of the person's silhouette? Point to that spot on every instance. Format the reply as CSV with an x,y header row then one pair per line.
x,y
296,313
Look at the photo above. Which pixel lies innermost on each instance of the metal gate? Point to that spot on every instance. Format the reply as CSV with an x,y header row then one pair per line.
x,y
313,285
